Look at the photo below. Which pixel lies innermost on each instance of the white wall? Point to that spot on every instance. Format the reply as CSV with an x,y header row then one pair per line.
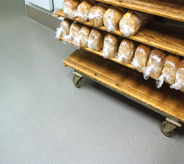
x,y
58,4
46,5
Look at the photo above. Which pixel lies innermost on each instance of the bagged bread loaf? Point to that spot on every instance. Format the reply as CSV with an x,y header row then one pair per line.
x,y
169,71
155,64
112,17
126,51
70,8
141,57
64,28
82,38
132,21
95,41
83,10
96,14
179,81
73,33
110,46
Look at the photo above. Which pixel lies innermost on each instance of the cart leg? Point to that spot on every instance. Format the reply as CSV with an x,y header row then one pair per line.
x,y
77,79
168,126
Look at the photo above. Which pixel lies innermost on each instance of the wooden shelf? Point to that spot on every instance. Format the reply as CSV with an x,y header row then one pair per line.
x,y
155,7
154,34
129,83
99,53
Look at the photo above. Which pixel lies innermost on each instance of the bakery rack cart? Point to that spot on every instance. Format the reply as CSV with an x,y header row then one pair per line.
x,y
127,81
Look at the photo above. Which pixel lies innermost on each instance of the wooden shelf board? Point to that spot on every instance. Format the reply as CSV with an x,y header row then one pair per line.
x,y
129,83
155,7
154,34
99,53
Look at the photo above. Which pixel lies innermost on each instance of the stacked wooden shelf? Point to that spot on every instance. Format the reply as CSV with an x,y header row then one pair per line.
x,y
154,34
128,82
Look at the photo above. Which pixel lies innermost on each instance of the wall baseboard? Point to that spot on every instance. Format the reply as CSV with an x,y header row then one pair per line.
x,y
42,17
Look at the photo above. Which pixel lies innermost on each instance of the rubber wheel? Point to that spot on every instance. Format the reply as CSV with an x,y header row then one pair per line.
x,y
76,82
167,134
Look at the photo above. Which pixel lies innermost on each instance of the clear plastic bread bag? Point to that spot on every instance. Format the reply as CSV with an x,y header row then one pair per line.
x,y
63,30
112,17
154,65
83,9
169,71
73,33
179,81
70,8
81,38
126,51
58,33
132,21
95,41
96,14
140,59
110,46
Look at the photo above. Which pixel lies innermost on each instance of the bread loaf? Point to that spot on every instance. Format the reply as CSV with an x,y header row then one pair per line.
x,y
65,26
83,36
70,8
112,17
179,82
74,31
110,46
64,29
155,64
126,51
169,70
132,21
141,57
83,10
95,41
96,14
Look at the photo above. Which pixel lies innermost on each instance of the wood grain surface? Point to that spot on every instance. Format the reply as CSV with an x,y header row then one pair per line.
x,y
129,83
165,9
154,34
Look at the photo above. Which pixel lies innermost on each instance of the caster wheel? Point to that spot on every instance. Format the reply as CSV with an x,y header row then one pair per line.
x,y
168,134
77,81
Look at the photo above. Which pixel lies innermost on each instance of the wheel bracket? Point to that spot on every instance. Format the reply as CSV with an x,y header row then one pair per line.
x,y
169,125
77,74
173,121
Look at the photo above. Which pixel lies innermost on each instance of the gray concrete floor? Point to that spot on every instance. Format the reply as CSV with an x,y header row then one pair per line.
x,y
44,119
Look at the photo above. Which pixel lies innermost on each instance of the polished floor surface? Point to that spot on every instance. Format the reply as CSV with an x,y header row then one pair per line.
x,y
44,119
